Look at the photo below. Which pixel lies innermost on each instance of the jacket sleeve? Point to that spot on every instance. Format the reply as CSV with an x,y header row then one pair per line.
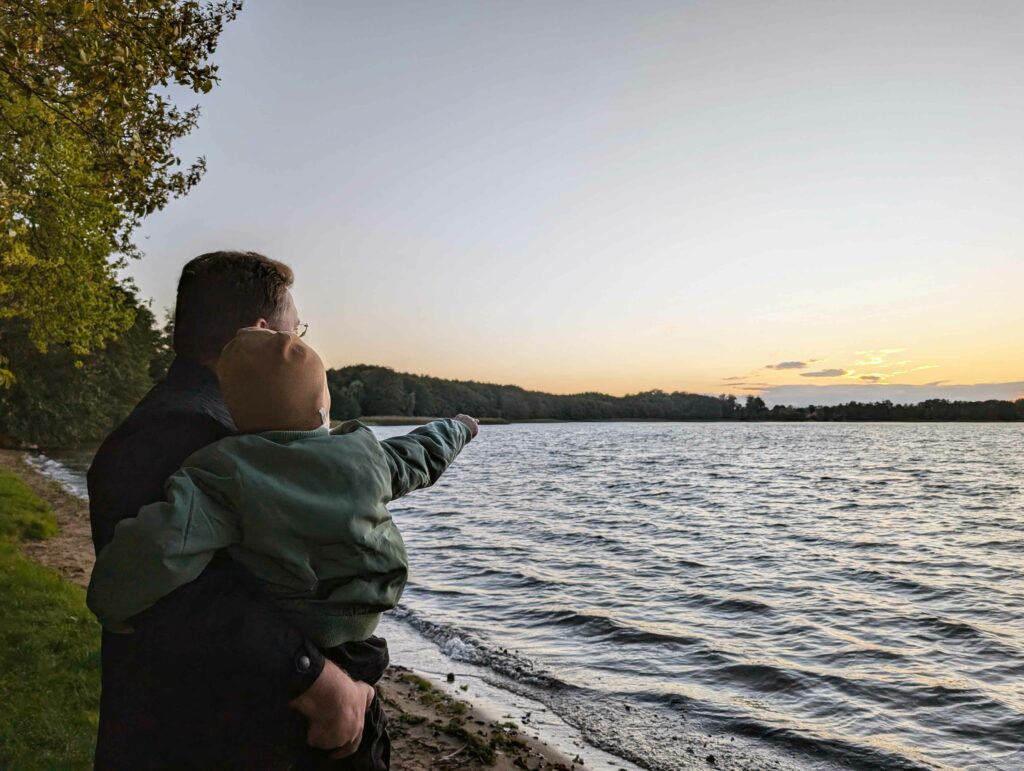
x,y
418,459
167,545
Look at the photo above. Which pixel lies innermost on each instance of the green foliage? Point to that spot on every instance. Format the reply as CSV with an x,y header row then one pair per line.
x,y
62,399
22,514
49,652
162,349
86,151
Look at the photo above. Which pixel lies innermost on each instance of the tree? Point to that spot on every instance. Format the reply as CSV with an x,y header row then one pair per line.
x,y
384,392
344,402
755,408
162,353
86,151
62,398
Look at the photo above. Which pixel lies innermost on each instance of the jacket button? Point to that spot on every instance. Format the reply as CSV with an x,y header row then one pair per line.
x,y
302,663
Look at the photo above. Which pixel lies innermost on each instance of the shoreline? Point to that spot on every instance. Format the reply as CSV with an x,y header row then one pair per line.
x,y
393,421
432,729
436,722
415,420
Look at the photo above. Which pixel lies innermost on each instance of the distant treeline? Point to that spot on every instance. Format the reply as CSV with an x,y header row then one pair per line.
x,y
929,410
371,390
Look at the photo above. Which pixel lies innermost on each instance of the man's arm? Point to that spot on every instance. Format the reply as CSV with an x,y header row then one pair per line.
x,y
253,656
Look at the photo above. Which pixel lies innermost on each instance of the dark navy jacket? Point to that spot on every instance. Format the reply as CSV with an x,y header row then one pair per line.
x,y
205,680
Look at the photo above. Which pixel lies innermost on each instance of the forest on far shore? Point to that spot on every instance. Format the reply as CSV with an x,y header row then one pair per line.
x,y
363,390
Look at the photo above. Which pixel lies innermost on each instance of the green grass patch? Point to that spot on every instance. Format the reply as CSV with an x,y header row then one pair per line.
x,y
22,514
49,648
421,683
428,695
409,719
475,746
507,739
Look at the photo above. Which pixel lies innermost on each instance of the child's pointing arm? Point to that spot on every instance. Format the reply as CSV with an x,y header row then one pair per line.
x,y
418,459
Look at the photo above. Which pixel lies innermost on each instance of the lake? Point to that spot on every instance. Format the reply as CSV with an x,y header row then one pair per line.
x,y
838,595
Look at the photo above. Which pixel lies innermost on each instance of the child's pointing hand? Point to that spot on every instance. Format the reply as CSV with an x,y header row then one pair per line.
x,y
471,423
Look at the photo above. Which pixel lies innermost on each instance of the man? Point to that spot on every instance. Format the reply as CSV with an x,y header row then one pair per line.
x,y
213,677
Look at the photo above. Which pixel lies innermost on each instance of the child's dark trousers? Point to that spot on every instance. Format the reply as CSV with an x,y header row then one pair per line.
x,y
365,661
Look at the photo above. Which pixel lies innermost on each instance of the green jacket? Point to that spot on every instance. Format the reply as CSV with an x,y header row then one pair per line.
x,y
304,511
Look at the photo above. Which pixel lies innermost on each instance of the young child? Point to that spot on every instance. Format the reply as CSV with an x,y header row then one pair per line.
x,y
301,507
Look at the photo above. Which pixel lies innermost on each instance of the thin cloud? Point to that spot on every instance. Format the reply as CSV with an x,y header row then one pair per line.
x,y
734,377
877,358
800,395
824,373
787,365
871,378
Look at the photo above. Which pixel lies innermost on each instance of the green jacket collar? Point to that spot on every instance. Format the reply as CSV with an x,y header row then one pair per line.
x,y
287,437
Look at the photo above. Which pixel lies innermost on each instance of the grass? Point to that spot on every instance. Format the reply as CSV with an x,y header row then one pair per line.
x,y
49,648
422,684
22,514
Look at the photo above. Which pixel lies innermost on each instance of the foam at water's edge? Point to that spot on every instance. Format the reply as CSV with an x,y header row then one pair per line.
x,y
72,481
462,646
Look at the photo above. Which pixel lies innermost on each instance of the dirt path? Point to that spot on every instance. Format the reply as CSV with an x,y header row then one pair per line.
x,y
70,551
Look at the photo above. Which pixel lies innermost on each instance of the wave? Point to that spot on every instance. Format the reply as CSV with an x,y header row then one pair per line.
x,y
461,645
846,754
606,628
72,480
903,584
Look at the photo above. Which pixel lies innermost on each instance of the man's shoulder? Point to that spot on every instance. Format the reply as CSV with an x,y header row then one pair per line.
x,y
181,414
133,463
157,436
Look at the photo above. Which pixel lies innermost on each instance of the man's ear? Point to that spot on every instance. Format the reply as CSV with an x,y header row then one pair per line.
x,y
261,324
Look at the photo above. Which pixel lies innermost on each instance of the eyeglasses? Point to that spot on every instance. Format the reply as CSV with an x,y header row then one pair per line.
x,y
301,329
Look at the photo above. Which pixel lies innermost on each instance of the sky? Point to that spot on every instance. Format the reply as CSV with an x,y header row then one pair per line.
x,y
810,201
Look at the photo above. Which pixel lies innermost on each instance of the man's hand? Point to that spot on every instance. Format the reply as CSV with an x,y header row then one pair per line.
x,y
471,423
335,705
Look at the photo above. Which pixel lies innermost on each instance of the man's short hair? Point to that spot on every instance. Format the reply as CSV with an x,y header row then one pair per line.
x,y
221,292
